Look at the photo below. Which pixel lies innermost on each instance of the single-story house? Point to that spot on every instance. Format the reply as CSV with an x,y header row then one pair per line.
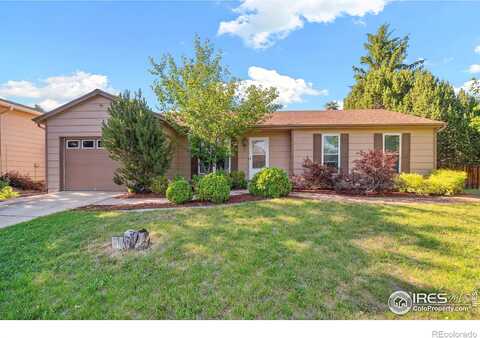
x,y
22,143
77,161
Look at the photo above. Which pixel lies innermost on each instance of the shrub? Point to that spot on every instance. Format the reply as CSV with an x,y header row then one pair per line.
x,y
24,182
214,187
227,176
299,182
270,182
179,191
194,181
413,183
318,176
159,185
7,192
440,182
4,182
372,172
238,180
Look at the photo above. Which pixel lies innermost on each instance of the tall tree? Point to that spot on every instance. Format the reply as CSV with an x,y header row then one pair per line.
x,y
332,105
387,82
208,104
134,137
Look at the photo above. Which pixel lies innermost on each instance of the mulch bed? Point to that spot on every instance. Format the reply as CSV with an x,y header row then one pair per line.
x,y
233,200
333,192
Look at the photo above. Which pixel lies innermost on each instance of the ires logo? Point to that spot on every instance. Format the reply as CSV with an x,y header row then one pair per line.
x,y
421,298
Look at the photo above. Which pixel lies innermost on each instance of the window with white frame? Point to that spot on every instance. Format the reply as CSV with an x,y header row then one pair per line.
x,y
331,150
88,144
72,144
204,168
99,144
392,144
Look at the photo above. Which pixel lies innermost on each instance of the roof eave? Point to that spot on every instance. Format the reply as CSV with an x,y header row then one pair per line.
x,y
363,125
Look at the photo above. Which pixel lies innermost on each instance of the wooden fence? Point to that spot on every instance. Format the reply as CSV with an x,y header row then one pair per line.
x,y
473,180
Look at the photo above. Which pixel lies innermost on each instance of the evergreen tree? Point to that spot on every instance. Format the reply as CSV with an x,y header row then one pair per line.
x,y
389,83
332,105
134,137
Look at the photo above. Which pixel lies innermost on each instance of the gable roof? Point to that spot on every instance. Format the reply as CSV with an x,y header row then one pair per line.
x,y
345,118
19,107
72,103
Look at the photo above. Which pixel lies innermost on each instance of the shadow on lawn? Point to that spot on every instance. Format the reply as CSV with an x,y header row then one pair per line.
x,y
271,260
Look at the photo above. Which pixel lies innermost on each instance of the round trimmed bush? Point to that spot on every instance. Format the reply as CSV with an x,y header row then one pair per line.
x,y
214,187
159,185
179,191
270,182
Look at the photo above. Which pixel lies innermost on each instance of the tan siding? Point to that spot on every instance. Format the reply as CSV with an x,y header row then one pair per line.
x,y
23,147
422,145
279,149
86,120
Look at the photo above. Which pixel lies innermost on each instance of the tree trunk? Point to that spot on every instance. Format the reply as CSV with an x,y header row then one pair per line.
x,y
117,243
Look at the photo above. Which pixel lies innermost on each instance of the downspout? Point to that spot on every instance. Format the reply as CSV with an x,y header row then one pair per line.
x,y
1,136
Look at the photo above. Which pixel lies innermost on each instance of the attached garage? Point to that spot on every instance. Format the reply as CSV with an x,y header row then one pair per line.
x,y
87,166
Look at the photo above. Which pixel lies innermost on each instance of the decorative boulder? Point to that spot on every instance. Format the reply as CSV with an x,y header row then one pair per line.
x,y
132,239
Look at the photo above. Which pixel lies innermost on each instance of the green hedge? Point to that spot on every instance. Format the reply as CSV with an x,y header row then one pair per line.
x,y
214,187
270,182
179,191
159,185
238,180
443,182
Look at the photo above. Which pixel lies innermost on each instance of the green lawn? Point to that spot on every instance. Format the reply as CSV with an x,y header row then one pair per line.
x,y
276,259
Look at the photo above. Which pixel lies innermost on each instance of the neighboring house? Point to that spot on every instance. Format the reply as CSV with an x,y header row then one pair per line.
x,y
22,142
76,160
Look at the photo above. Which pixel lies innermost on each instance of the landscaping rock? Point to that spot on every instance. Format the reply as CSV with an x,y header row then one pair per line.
x,y
132,239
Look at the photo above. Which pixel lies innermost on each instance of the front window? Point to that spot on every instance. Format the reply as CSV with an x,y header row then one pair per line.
x,y
331,151
205,168
391,143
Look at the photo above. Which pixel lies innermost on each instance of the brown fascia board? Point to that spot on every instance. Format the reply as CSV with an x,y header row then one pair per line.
x,y
20,107
366,125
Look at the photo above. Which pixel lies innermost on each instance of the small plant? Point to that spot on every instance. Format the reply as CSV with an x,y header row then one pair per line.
x,y
214,187
4,182
7,192
238,180
24,182
179,191
194,181
318,176
270,182
159,185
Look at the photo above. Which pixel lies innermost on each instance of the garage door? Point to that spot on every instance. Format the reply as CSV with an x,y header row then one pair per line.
x,y
87,166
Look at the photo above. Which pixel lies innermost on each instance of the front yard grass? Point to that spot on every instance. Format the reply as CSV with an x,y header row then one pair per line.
x,y
278,259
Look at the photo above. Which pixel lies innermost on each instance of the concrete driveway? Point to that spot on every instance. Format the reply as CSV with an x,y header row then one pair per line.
x,y
27,208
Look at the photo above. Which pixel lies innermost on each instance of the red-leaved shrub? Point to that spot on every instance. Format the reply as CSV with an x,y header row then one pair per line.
x,y
318,176
24,182
374,171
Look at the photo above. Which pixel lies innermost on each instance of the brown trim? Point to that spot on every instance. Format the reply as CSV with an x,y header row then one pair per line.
x,y
46,155
291,165
317,148
20,107
362,125
344,149
72,103
378,141
193,166
435,156
61,185
234,159
405,148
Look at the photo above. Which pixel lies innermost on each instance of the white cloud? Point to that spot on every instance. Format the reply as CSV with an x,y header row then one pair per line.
x,y
261,22
477,49
56,90
475,68
290,89
467,86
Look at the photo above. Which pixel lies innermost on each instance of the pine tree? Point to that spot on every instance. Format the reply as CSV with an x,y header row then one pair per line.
x,y
332,105
134,137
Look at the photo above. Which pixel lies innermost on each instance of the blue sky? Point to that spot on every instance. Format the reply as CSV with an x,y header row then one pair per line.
x,y
55,51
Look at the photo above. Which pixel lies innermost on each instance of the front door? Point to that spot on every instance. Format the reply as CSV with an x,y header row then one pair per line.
x,y
258,155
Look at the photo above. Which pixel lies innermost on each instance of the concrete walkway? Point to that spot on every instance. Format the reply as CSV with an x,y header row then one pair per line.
x,y
26,208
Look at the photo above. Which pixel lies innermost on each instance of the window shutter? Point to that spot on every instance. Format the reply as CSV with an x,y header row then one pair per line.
x,y
194,166
344,142
317,148
378,141
234,160
405,156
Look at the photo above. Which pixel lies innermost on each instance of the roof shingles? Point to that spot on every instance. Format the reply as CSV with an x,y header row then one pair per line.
x,y
358,117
